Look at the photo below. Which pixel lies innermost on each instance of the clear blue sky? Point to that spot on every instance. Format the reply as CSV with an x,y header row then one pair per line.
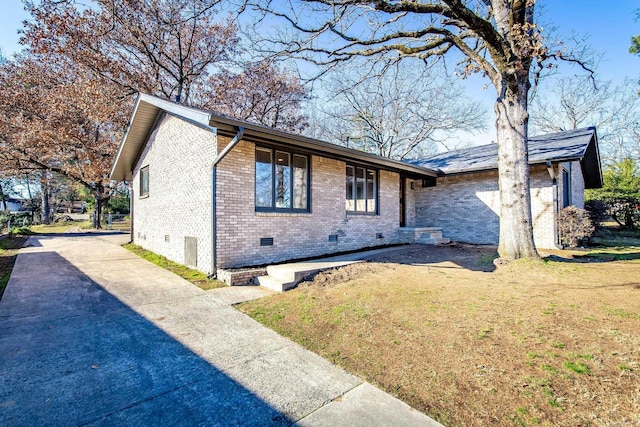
x,y
609,25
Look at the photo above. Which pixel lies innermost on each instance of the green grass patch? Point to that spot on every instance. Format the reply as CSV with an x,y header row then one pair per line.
x,y
620,312
196,277
8,251
577,367
57,228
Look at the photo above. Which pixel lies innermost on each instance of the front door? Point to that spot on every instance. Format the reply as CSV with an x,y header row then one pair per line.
x,y
401,204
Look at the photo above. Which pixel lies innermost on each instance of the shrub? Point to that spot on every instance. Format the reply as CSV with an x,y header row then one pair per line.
x,y
598,211
574,226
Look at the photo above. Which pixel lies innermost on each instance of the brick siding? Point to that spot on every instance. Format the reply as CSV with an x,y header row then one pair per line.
x,y
179,157
467,207
296,235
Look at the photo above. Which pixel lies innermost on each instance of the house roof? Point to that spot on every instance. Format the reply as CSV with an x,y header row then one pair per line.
x,y
148,108
573,145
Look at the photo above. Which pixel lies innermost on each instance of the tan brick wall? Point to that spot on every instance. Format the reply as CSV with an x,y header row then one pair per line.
x,y
410,203
467,207
295,235
179,156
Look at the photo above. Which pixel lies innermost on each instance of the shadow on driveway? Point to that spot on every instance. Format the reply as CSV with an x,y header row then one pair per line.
x,y
71,353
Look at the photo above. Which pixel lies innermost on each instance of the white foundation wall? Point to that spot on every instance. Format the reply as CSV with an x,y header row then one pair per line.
x,y
179,155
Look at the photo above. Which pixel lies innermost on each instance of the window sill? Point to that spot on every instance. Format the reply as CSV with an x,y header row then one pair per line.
x,y
362,215
146,196
286,214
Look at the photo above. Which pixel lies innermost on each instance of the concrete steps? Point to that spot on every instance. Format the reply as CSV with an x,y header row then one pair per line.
x,y
424,235
283,277
286,276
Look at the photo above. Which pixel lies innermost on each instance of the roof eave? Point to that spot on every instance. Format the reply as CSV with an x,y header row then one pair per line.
x,y
257,133
134,140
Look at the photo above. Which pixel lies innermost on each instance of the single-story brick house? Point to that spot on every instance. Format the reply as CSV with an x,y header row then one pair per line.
x,y
214,192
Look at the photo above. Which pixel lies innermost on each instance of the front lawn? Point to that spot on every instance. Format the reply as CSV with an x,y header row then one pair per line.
x,y
554,342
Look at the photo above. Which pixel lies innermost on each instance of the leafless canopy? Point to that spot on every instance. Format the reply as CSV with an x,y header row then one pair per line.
x,y
498,38
404,112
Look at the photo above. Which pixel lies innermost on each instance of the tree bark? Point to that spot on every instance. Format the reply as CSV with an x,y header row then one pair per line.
x,y
516,225
44,195
4,199
97,220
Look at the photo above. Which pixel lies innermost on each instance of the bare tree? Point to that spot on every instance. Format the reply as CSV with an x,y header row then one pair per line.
x,y
499,39
160,47
54,118
572,102
401,113
261,92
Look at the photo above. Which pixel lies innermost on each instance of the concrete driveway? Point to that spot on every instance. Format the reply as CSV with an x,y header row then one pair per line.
x,y
92,334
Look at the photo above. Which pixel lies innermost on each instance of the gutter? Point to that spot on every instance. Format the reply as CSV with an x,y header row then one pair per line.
x,y
236,139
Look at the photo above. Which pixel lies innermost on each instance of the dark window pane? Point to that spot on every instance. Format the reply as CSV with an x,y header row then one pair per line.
x,y
371,191
144,181
300,182
350,205
360,190
264,195
283,180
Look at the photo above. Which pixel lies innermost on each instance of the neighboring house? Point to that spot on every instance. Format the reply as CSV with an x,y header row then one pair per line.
x,y
13,204
213,192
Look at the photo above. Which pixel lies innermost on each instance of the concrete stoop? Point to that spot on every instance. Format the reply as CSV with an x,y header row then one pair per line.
x,y
282,277
286,276
423,235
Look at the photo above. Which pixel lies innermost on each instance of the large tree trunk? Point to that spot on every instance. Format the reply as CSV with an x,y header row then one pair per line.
x,y
4,199
97,219
516,227
44,195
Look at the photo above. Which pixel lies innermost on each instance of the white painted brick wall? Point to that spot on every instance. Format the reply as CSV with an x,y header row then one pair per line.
x,y
179,156
467,207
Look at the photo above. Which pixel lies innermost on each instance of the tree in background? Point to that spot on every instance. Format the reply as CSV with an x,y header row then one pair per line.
x,y
56,118
500,39
163,47
261,92
401,113
620,194
573,102
176,49
635,40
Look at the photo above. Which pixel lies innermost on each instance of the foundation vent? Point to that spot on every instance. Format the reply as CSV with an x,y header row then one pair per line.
x,y
266,241
191,251
333,237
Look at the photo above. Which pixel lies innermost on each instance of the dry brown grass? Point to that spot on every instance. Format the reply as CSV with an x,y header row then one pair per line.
x,y
531,343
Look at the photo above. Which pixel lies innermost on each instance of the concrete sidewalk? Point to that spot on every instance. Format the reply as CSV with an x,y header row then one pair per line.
x,y
92,334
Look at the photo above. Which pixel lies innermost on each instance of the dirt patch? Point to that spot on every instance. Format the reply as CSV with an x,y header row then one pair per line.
x,y
551,342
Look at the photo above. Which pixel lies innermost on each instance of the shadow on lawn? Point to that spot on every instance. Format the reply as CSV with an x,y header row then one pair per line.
x,y
595,257
453,256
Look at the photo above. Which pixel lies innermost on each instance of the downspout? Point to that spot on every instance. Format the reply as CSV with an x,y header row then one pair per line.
x,y
552,173
219,157
131,212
